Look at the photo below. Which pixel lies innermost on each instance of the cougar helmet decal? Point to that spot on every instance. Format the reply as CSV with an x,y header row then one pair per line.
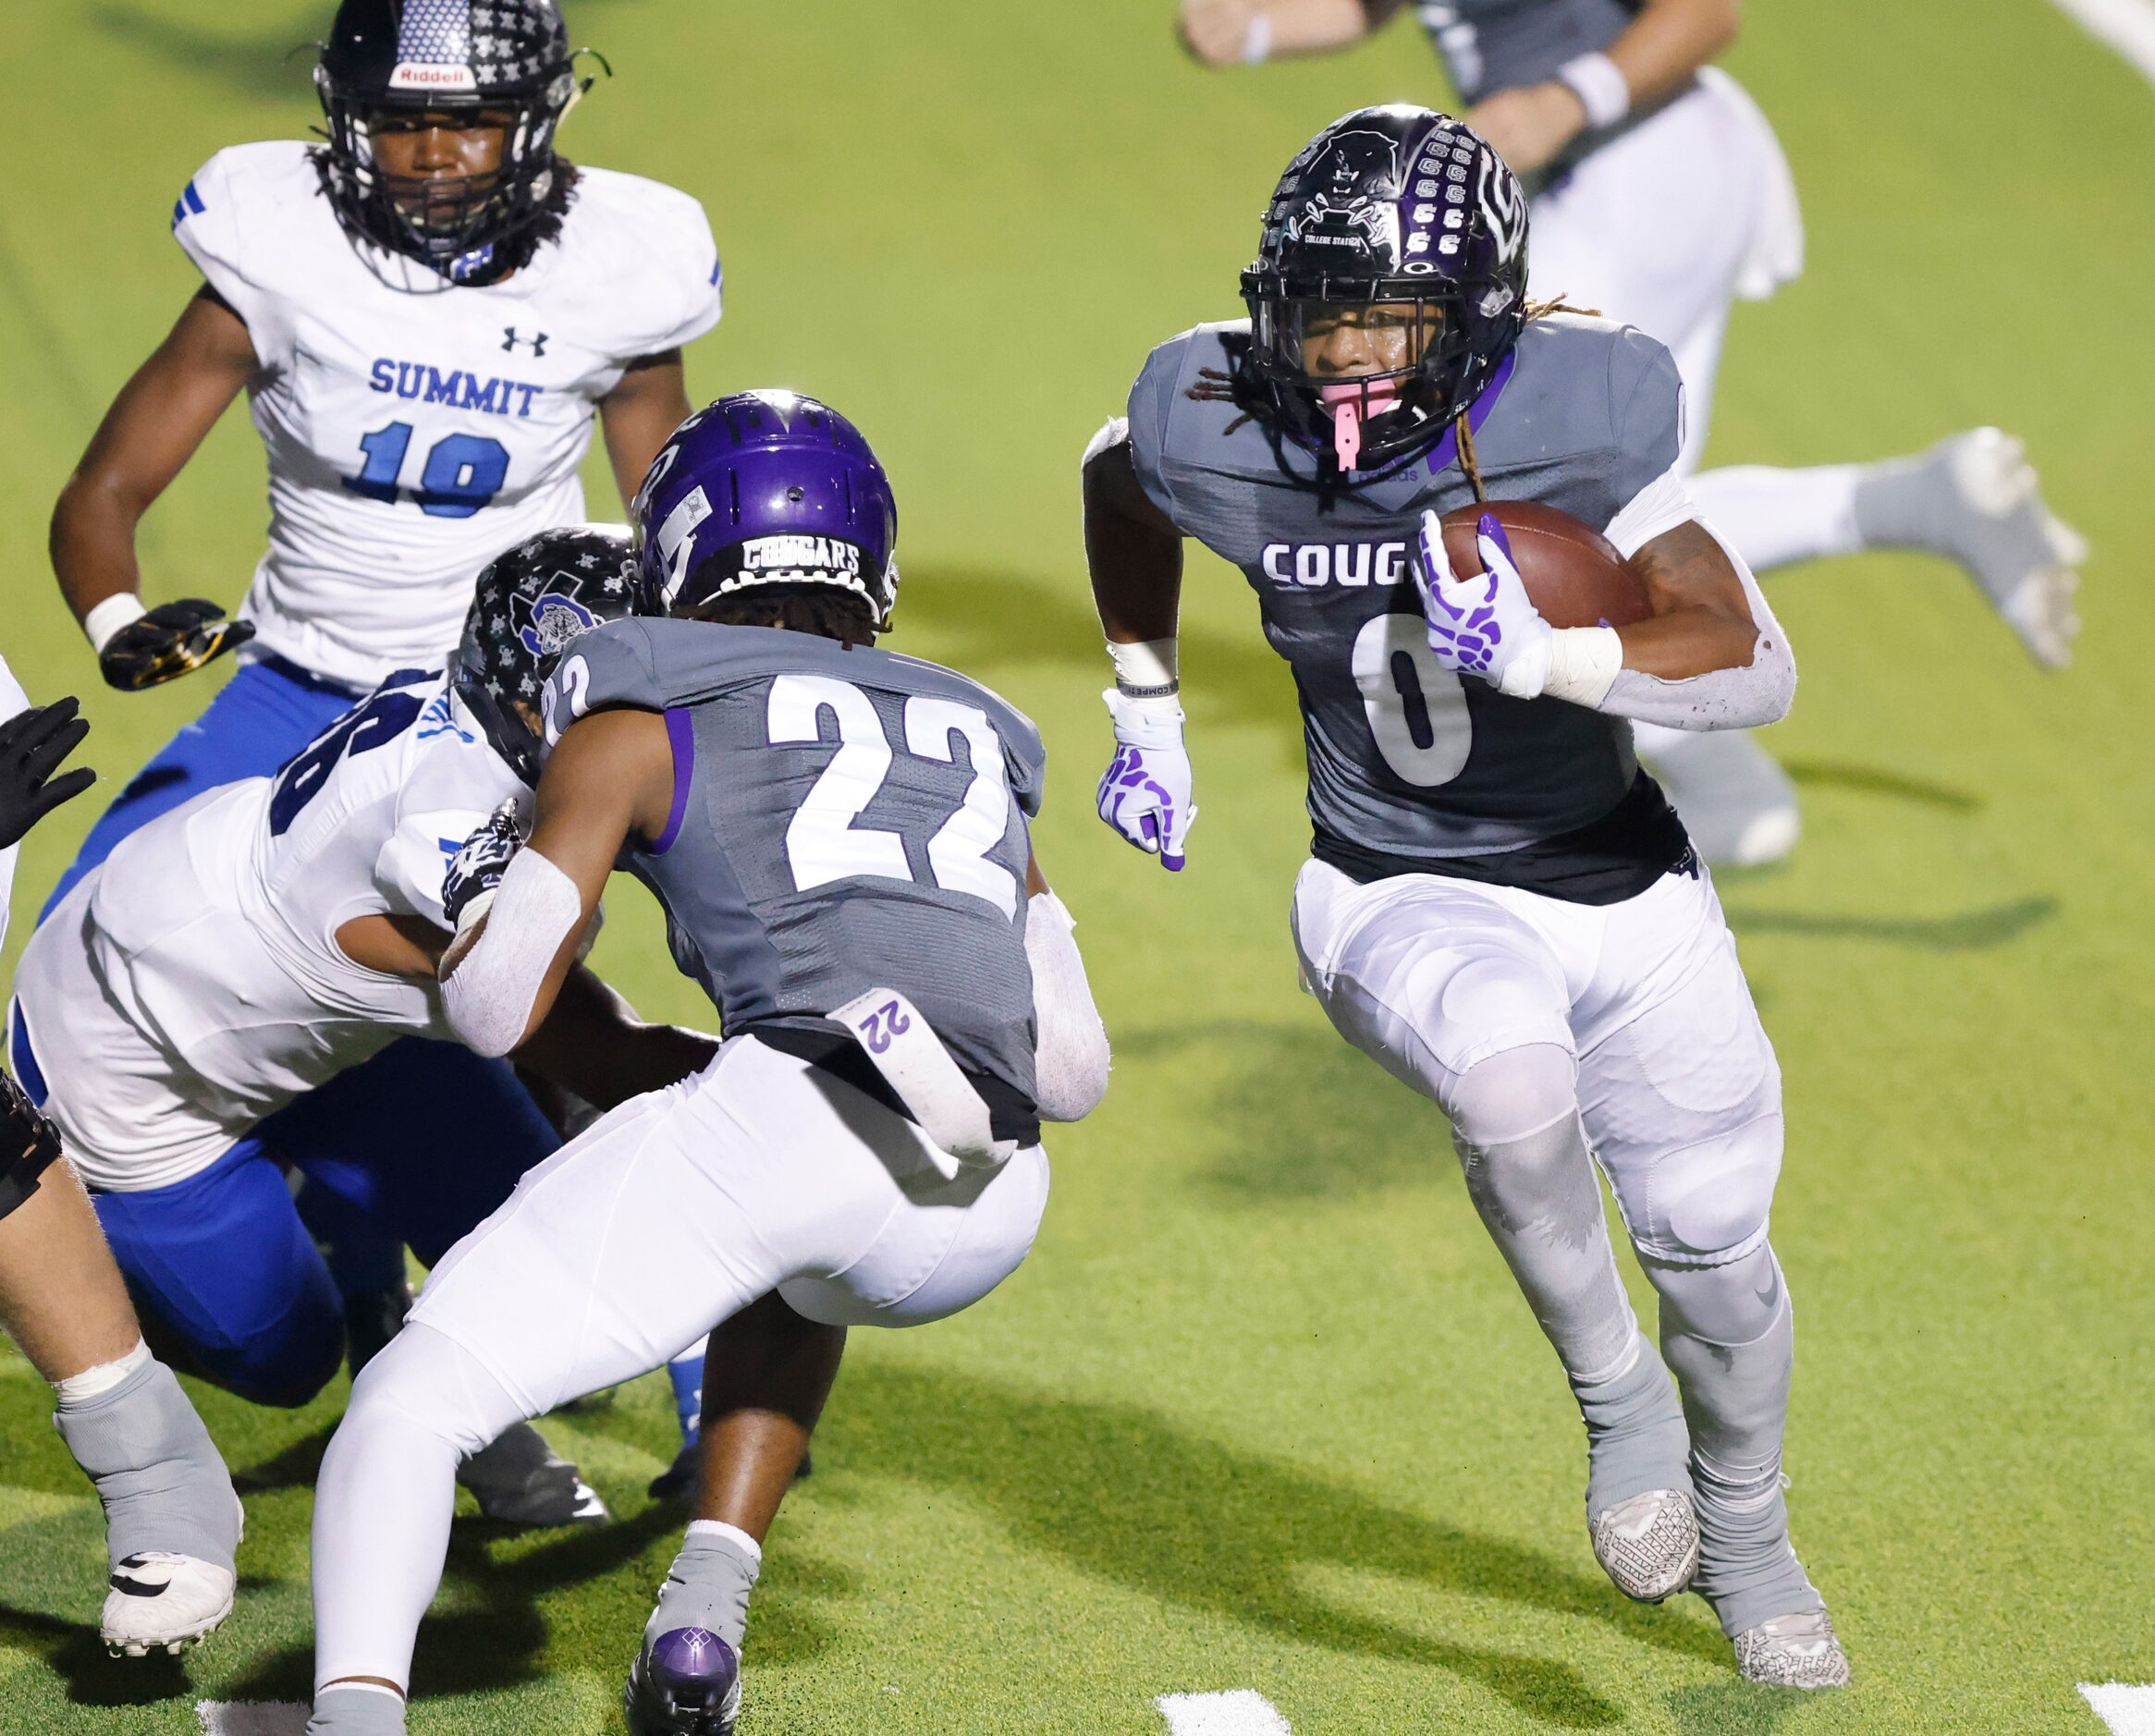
x,y
1389,286
552,620
766,488
472,63
528,607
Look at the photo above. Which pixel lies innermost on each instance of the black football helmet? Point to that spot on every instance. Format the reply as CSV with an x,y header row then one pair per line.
x,y
529,606
1403,225
470,58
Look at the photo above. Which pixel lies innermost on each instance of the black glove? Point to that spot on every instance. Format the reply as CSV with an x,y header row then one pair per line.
x,y
475,871
29,1145
168,641
31,744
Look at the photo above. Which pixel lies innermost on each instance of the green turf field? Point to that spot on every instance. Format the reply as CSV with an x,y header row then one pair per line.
x,y
1264,1411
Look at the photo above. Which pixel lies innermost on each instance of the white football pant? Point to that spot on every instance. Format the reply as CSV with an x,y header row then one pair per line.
x,y
668,1216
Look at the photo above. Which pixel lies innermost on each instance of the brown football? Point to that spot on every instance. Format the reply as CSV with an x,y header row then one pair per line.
x,y
1572,573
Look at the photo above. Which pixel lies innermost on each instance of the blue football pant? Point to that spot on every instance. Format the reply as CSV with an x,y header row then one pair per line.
x,y
224,1268
420,1121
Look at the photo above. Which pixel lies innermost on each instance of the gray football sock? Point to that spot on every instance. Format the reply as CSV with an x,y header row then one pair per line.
x,y
707,1588
1736,1397
1540,1199
341,1711
1636,1440
158,1471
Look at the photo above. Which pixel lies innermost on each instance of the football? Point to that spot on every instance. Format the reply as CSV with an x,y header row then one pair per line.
x,y
1572,573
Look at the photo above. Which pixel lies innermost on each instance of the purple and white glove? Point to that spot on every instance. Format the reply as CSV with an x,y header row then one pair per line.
x,y
1144,794
1486,626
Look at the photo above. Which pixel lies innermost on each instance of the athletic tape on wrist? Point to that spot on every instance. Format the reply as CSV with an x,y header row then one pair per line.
x,y
107,618
1601,86
1147,668
1257,38
1584,663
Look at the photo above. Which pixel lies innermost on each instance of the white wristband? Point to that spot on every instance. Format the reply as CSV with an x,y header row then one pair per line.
x,y
107,618
1257,38
1146,670
1600,87
1584,663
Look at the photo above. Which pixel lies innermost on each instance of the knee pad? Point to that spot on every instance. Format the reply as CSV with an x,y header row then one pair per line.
x,y
1512,1094
1706,1202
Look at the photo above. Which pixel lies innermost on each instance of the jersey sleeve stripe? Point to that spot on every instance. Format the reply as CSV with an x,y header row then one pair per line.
x,y
681,732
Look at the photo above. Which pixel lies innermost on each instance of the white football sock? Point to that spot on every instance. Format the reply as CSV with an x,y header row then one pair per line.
x,y
1775,515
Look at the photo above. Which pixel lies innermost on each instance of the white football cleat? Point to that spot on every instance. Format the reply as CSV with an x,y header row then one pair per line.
x,y
1794,1652
2021,554
1647,1546
161,1602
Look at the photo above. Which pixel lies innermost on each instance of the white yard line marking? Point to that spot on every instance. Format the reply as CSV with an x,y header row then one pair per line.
x,y
252,1718
1238,1712
2128,26
2129,1710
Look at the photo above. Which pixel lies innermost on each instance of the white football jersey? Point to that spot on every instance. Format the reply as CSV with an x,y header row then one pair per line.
x,y
417,428
191,984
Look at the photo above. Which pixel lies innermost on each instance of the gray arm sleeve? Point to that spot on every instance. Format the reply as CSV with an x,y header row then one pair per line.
x,y
1756,692
1070,1058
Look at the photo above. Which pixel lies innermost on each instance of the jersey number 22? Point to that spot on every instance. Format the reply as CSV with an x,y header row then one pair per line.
x,y
822,842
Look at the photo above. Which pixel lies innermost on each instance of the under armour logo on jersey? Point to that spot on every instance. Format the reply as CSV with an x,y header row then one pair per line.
x,y
509,340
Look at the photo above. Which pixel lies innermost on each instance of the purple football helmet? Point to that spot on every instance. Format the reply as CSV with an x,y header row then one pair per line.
x,y
766,488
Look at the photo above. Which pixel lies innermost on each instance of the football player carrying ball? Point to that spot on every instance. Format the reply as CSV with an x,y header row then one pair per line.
x,y
1502,910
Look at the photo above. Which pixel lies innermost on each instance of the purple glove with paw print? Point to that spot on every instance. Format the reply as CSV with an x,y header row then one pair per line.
x,y
1144,794
1485,626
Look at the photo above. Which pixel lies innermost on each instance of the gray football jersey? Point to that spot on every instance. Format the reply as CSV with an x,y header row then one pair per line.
x,y
1407,760
1500,44
843,819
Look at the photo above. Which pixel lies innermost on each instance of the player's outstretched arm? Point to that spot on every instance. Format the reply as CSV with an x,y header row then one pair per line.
x,y
1135,554
161,416
1530,125
1225,32
522,915
640,414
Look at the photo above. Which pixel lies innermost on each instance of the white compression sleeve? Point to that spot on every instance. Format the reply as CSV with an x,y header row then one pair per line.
x,y
1759,691
490,993
1071,1058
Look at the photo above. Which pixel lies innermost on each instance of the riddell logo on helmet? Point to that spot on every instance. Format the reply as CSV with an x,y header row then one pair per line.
x,y
420,75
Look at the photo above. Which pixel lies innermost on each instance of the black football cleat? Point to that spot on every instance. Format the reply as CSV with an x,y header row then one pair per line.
x,y
521,1481
686,1682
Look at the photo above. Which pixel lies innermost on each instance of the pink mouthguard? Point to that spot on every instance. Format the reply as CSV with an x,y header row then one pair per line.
x,y
1351,404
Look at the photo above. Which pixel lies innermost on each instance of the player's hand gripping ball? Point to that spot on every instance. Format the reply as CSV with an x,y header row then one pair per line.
x,y
475,871
1144,793
169,641
1486,624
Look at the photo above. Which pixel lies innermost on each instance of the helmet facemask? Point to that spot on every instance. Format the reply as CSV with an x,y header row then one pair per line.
x,y
1389,283
455,223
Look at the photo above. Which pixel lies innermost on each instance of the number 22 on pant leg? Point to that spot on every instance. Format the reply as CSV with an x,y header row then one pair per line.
x,y
463,471
1416,708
